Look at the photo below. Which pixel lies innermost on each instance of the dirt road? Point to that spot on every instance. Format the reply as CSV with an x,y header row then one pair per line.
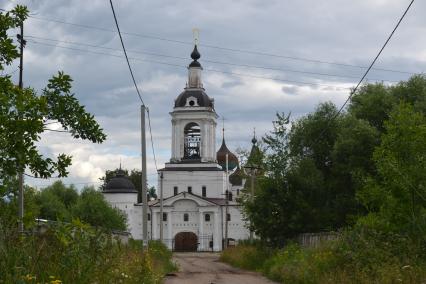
x,y
205,268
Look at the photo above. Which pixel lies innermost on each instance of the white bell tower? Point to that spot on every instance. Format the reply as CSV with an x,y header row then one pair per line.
x,y
194,120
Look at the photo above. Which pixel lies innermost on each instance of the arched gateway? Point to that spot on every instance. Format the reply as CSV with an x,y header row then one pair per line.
x,y
186,241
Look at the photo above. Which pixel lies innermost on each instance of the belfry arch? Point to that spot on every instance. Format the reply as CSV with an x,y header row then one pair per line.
x,y
192,141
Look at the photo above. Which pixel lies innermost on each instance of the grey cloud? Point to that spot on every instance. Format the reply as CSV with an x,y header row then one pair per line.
x,y
330,31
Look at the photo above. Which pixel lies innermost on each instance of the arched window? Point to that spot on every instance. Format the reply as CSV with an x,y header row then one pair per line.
x,y
192,141
185,217
207,217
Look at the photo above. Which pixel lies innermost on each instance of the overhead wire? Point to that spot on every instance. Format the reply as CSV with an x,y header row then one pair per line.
x,y
205,69
207,60
134,81
152,141
125,52
222,48
333,117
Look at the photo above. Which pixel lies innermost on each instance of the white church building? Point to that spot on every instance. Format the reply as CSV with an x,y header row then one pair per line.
x,y
197,210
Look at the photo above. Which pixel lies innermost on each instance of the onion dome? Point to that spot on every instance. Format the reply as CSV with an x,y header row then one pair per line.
x,y
195,55
120,184
255,159
254,140
236,178
194,94
221,157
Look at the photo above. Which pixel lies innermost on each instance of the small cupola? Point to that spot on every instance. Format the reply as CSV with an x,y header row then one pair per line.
x,y
255,159
194,94
120,183
223,152
194,70
195,55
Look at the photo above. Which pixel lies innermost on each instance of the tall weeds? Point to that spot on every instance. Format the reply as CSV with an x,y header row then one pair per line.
x,y
360,255
77,253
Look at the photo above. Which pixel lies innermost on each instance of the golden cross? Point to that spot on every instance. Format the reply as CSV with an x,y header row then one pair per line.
x,y
196,34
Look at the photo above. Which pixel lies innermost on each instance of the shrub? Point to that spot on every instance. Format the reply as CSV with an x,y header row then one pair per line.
x,y
247,255
78,253
361,255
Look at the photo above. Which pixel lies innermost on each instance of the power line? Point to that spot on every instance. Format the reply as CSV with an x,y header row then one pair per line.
x,y
205,69
125,53
152,141
223,48
54,130
10,73
209,61
366,72
375,59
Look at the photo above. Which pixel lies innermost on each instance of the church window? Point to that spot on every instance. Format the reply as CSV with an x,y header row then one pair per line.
x,y
229,196
175,190
191,103
228,217
164,217
207,217
185,217
192,141
204,191
149,217
190,189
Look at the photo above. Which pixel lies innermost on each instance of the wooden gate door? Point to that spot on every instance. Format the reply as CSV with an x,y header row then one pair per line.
x,y
186,241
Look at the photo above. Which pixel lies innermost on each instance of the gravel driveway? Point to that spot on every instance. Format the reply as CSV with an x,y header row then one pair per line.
x,y
205,268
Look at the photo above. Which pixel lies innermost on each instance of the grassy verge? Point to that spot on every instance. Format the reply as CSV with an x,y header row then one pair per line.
x,y
359,256
76,253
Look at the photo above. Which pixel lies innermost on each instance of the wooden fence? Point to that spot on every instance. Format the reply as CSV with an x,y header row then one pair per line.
x,y
315,239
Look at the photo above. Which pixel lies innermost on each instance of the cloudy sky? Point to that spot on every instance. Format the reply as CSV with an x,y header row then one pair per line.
x,y
259,57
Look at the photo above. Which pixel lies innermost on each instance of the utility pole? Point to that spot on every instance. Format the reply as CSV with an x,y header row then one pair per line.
x,y
21,174
252,197
161,206
252,169
226,204
144,182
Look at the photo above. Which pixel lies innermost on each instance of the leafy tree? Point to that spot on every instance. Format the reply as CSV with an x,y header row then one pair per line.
x,y
396,196
9,207
312,174
314,135
67,195
55,201
24,114
59,202
277,149
373,103
152,192
52,207
413,92
92,208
